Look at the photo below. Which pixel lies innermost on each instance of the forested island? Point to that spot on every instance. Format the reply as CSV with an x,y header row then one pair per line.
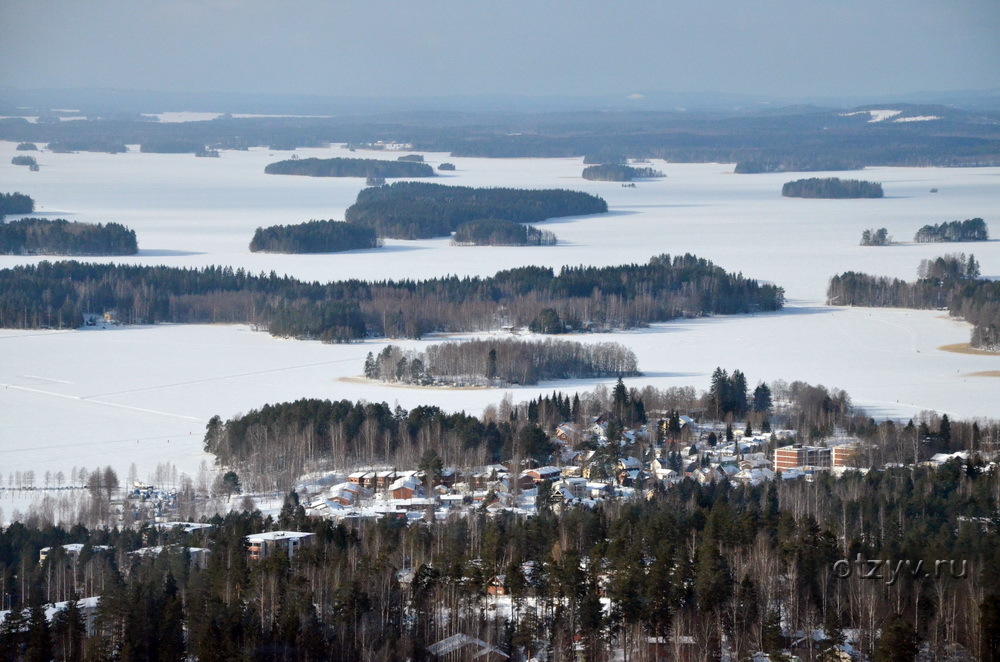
x,y
617,172
22,160
313,237
951,282
27,147
502,362
96,144
971,229
581,298
831,187
341,167
172,146
39,236
421,210
496,232
16,203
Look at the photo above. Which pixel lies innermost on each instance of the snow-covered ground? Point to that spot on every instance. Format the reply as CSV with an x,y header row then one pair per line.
x,y
143,395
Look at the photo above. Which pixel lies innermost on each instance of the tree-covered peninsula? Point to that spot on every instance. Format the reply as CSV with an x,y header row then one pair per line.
x,y
39,236
576,298
340,167
313,237
420,210
831,187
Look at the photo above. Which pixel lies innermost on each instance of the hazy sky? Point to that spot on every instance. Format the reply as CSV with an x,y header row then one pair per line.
x,y
780,48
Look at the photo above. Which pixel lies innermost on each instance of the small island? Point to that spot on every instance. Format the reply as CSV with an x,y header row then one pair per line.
x,y
502,362
872,237
22,160
831,187
341,167
16,203
421,210
971,229
27,147
39,236
498,232
446,166
313,237
617,172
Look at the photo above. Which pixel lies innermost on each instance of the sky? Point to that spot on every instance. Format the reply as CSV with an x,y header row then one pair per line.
x,y
372,48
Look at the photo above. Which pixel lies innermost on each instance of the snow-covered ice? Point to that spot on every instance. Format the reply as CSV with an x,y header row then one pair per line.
x,y
143,395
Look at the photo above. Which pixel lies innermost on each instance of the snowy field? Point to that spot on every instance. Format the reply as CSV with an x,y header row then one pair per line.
x,y
143,395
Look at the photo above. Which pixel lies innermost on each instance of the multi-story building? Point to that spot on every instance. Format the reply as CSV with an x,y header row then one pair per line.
x,y
799,456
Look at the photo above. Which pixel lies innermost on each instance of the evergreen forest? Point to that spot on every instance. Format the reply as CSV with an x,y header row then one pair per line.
x,y
831,187
496,232
313,237
421,210
340,167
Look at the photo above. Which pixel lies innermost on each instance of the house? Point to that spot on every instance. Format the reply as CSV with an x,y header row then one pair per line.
x,y
263,545
543,473
406,487
496,585
345,494
567,433
797,455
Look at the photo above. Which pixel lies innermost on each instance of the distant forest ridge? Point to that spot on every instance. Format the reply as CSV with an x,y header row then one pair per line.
x,y
40,236
951,282
791,137
313,237
831,187
421,210
340,167
581,298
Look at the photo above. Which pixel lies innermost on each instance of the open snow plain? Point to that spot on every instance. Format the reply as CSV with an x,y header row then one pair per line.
x,y
143,395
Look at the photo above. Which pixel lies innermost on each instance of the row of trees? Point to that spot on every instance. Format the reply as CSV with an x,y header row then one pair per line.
x,y
340,167
496,232
501,362
420,210
971,229
582,298
617,172
16,203
831,187
313,237
948,282
795,164
40,236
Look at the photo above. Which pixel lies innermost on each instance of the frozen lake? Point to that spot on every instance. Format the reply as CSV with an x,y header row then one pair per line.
x,y
143,395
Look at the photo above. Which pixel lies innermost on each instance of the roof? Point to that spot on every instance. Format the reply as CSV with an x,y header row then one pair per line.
x,y
458,641
277,535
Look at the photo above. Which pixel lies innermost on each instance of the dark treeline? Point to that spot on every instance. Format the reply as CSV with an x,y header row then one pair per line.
x,y
16,203
174,146
27,147
808,164
712,572
339,167
950,282
616,172
313,237
497,232
416,158
582,298
40,236
971,229
831,187
420,210
22,160
501,362
69,145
